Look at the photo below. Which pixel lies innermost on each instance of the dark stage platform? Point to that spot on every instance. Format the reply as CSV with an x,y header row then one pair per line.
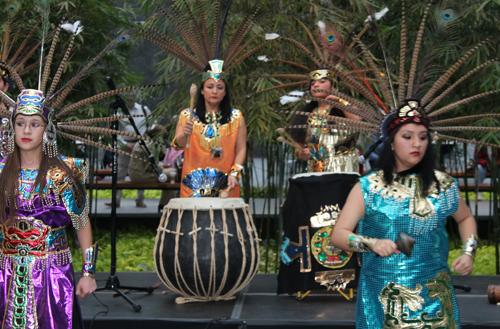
x,y
258,306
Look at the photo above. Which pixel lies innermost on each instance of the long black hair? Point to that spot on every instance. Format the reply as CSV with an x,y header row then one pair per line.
x,y
425,168
9,180
224,106
299,135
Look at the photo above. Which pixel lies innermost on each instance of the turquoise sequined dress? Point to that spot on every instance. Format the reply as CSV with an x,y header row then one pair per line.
x,y
400,291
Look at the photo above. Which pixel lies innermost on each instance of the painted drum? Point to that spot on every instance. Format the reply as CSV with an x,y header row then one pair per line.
x,y
494,294
206,249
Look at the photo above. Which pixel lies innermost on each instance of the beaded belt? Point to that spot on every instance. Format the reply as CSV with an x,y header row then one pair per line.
x,y
27,236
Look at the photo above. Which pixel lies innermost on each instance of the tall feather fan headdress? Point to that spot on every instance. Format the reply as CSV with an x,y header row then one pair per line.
x,y
419,97
13,30
329,48
49,102
200,44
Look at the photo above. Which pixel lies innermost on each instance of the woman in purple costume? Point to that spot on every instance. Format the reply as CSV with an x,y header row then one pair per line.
x,y
43,194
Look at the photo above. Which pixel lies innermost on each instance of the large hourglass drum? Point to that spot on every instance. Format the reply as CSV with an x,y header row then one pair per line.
x,y
206,249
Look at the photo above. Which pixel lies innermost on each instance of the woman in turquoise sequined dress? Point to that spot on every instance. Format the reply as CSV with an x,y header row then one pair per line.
x,y
400,287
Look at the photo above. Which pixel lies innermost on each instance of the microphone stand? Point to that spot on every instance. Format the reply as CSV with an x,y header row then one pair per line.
x,y
119,103
113,283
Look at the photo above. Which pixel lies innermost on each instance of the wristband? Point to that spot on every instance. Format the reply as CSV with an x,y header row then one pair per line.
x,y
470,246
236,171
361,243
296,152
90,260
176,145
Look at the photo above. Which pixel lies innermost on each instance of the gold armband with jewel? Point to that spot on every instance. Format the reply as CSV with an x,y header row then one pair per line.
x,y
361,243
236,171
90,260
470,246
176,145
343,101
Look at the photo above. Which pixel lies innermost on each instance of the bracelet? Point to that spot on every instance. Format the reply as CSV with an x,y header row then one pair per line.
x,y
361,243
176,145
90,260
236,171
470,246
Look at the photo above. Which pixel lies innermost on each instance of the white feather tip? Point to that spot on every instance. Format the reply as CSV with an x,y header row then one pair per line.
x,y
322,26
271,36
75,28
292,97
377,15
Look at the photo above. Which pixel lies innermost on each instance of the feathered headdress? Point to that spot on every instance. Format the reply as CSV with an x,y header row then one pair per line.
x,y
419,98
201,46
331,55
47,100
13,28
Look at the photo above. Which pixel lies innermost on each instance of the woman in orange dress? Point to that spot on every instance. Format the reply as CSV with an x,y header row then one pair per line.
x,y
217,135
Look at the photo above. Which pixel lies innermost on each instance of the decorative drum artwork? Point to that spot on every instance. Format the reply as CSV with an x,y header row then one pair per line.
x,y
206,249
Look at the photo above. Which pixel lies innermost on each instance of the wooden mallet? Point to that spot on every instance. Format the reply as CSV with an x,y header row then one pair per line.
x,y
192,92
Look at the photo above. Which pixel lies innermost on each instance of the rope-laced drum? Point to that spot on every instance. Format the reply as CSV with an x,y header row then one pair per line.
x,y
206,249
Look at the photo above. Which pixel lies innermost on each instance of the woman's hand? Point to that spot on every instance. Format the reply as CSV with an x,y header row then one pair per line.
x,y
332,98
232,182
304,154
86,286
187,129
463,264
385,248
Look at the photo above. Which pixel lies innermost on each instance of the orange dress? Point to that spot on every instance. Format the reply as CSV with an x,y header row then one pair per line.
x,y
205,175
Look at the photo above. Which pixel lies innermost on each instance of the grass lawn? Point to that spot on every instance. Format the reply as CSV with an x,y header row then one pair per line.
x,y
135,253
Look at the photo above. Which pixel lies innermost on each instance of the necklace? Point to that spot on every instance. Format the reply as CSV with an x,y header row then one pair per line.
x,y
213,123
316,121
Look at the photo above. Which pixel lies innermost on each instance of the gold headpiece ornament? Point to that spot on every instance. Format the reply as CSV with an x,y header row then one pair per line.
x,y
216,72
321,74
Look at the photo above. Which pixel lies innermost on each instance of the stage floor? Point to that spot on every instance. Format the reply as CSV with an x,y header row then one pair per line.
x,y
257,306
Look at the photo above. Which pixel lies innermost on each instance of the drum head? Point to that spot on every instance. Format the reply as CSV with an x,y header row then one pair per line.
x,y
205,203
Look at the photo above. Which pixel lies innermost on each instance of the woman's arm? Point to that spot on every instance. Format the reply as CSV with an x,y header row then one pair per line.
x,y
352,212
182,132
468,230
241,144
347,114
87,284
343,236
240,152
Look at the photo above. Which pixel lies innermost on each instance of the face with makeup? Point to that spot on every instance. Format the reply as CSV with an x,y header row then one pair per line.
x,y
29,132
409,145
213,92
321,84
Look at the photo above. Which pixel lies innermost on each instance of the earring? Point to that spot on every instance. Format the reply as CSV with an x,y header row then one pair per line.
x,y
49,147
10,143
49,143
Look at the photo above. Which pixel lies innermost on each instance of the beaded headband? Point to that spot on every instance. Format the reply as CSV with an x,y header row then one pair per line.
x,y
409,112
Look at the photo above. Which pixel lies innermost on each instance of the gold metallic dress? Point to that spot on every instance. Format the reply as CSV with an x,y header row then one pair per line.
x,y
332,150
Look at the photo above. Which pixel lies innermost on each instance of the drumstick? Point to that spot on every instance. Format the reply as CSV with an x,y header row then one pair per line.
x,y
192,92
282,139
288,139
